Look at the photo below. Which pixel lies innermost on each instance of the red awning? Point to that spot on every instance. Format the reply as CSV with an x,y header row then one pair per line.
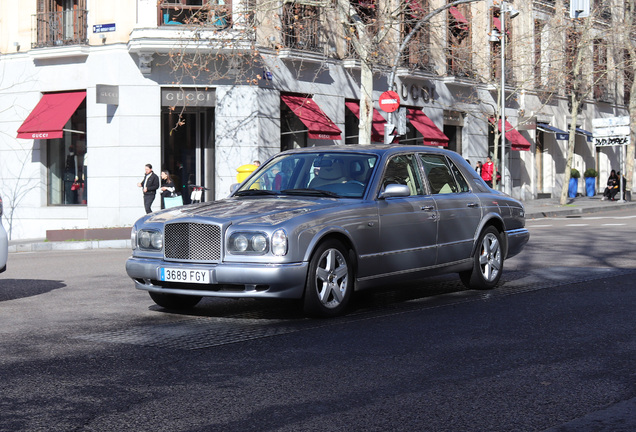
x,y
431,133
460,19
318,124
377,127
517,141
50,115
417,11
497,23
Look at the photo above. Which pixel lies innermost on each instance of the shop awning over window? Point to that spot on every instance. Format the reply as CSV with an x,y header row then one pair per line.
x,y
585,133
377,127
497,23
319,125
431,133
417,11
460,20
560,134
517,141
50,115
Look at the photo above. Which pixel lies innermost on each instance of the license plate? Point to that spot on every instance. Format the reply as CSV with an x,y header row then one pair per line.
x,y
185,275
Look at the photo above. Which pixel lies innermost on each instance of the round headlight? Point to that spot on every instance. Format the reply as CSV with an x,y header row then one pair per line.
x,y
144,239
240,243
156,240
259,243
279,242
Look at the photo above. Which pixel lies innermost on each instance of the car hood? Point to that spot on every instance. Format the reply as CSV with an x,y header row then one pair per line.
x,y
238,210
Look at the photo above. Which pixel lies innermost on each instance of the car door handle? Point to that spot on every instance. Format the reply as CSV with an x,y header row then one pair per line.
x,y
428,208
472,205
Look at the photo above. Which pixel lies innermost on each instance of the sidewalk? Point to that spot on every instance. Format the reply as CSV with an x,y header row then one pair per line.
x,y
535,209
550,207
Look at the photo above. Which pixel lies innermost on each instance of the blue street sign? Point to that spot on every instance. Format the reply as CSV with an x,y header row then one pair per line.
x,y
103,28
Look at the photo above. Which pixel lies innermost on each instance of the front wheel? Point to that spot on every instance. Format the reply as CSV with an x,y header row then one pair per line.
x,y
174,301
487,263
329,281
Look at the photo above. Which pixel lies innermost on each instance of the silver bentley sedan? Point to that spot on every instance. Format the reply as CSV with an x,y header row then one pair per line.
x,y
319,223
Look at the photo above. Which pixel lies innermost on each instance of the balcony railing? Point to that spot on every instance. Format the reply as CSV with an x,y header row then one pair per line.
x,y
59,28
302,28
208,15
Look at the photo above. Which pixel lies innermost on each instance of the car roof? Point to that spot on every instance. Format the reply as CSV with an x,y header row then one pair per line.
x,y
378,149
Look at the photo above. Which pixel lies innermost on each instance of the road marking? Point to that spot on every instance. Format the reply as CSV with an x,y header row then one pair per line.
x,y
576,225
541,226
613,224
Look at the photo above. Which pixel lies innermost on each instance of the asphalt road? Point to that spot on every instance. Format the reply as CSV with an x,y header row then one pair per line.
x,y
553,348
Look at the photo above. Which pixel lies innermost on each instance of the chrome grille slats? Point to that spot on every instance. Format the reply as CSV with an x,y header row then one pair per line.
x,y
187,241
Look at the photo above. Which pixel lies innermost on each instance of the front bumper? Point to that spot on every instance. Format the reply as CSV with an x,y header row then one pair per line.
x,y
227,280
516,240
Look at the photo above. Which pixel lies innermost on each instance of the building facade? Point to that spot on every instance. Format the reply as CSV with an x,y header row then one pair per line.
x,y
92,91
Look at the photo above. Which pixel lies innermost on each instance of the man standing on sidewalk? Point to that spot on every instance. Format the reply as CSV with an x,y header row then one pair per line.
x,y
150,184
487,171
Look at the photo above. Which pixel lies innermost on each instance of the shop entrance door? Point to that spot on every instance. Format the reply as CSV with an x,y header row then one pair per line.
x,y
187,150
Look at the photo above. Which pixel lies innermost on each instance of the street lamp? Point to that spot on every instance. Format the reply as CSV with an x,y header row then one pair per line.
x,y
503,10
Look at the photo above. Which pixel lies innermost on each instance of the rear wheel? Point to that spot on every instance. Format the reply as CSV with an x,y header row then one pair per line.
x,y
487,263
329,281
174,301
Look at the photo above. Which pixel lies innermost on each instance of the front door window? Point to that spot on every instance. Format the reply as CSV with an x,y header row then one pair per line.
x,y
185,138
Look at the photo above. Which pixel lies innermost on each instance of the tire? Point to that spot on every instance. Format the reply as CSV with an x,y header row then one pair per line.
x,y
488,262
329,280
174,301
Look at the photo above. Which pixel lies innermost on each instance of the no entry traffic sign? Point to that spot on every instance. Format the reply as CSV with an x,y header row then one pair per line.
x,y
389,101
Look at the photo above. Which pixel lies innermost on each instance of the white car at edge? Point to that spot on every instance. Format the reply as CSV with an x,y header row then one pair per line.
x,y
4,243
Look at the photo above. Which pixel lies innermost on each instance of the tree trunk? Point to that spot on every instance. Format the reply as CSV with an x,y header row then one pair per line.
x,y
629,156
570,153
366,103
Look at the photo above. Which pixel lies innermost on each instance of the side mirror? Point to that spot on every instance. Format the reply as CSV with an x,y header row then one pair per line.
x,y
234,187
395,190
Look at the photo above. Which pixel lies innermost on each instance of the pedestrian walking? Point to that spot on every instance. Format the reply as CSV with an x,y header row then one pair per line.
x,y
487,171
149,185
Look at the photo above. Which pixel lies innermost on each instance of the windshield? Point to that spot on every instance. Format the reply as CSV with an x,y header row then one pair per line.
x,y
313,174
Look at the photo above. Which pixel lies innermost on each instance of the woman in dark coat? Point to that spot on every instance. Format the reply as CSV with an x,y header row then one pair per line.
x,y
612,183
167,186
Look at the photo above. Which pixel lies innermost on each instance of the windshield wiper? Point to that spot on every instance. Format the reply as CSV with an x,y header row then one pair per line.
x,y
311,192
253,192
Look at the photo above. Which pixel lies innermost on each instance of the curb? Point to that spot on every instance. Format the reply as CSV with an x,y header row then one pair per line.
x,y
576,211
79,245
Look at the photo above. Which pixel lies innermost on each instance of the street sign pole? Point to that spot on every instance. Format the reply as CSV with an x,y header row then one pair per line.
x,y
388,129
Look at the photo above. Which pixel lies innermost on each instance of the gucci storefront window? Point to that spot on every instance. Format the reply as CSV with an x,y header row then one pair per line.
x,y
67,163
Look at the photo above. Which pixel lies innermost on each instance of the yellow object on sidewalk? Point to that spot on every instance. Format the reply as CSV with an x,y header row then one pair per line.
x,y
244,171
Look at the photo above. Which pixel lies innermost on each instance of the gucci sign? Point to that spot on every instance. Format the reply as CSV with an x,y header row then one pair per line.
x,y
188,97
417,92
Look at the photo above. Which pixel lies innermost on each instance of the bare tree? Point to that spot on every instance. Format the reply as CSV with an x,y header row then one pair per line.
x,y
627,25
16,185
580,79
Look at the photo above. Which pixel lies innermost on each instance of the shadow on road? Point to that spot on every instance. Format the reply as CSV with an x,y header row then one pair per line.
x,y
13,289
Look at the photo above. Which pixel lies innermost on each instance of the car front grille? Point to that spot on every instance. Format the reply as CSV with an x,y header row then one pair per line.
x,y
192,242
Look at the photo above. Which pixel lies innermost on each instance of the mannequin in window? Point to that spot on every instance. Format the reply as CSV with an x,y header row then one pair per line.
x,y
70,176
